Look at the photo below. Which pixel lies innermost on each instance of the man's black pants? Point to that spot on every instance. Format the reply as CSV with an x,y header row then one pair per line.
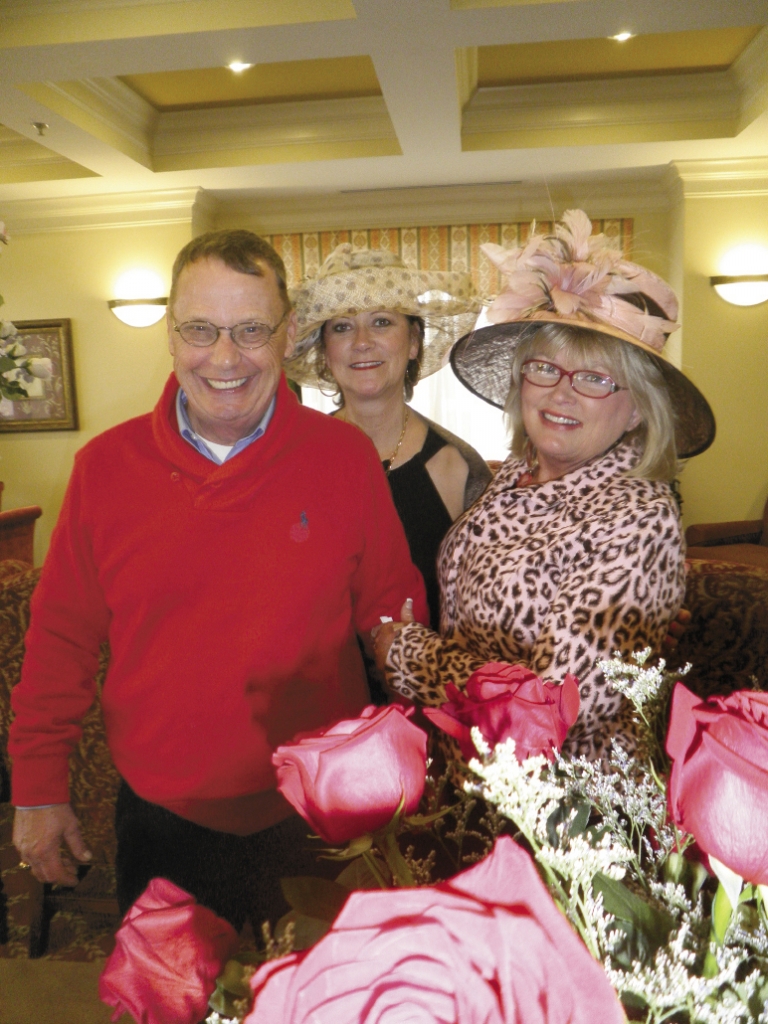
x,y
238,877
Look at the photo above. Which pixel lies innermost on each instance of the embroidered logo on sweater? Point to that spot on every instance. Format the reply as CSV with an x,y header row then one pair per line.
x,y
300,531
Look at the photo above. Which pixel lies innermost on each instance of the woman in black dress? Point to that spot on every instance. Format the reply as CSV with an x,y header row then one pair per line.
x,y
368,329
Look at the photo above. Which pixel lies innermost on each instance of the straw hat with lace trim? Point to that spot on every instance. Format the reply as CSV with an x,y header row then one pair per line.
x,y
353,281
575,278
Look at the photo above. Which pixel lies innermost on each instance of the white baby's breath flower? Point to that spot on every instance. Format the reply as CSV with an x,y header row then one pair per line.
x,y
580,861
523,792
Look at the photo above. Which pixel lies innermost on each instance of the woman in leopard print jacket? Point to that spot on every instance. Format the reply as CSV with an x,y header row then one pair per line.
x,y
576,549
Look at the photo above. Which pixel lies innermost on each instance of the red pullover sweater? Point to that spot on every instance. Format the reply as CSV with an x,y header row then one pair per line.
x,y
230,596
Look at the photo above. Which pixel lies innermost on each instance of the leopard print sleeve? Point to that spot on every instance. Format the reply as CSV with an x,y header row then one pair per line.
x,y
420,663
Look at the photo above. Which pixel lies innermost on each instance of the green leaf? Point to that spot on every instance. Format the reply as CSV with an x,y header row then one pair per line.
x,y
674,867
233,979
722,911
357,875
420,820
315,897
580,820
307,930
700,876
646,927
747,893
6,363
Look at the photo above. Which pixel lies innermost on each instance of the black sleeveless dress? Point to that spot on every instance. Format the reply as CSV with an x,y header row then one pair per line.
x,y
424,516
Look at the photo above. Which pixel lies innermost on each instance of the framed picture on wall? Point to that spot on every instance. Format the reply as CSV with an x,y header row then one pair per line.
x,y
50,402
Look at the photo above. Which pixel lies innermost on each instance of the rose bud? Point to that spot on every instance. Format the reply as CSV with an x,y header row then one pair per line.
x,y
168,953
718,785
350,779
508,701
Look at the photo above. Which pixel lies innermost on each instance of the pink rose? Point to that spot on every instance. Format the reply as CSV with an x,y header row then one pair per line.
x,y
488,946
507,701
349,779
718,786
169,953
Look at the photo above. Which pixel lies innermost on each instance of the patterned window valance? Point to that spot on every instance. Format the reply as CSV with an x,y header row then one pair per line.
x,y
448,247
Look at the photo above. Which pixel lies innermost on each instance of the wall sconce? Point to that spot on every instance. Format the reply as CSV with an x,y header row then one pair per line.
x,y
744,277
139,303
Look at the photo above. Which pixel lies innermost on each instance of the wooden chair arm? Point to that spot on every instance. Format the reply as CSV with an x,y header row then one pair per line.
x,y
746,531
17,532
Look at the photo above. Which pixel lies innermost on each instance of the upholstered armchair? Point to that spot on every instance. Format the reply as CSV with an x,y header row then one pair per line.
x,y
93,778
726,641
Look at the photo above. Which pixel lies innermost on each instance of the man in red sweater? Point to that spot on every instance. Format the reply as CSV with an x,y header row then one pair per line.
x,y
230,546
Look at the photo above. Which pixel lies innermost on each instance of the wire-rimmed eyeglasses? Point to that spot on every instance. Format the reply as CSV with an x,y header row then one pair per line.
x,y
588,383
249,334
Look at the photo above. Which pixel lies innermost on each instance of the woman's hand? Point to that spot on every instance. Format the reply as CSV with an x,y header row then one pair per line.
x,y
383,635
676,628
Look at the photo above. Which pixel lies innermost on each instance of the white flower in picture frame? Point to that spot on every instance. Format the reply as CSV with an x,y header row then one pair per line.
x,y
40,367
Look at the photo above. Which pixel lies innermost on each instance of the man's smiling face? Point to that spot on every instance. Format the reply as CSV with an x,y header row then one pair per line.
x,y
228,389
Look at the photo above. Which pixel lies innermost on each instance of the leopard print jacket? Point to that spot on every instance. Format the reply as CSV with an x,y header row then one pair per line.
x,y
556,577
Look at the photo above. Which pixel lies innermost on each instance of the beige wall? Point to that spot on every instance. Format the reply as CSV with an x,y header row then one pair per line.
x,y
725,352
119,370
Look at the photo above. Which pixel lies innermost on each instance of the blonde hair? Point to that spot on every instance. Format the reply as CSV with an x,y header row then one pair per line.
x,y
629,366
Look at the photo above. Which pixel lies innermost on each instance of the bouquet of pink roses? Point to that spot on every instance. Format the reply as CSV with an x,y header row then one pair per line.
x,y
596,904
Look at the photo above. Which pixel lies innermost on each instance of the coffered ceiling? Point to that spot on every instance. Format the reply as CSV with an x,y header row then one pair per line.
x,y
364,97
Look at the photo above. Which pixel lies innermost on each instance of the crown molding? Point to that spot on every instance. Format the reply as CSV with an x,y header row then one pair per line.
x,y
624,110
23,160
721,179
466,74
104,108
272,132
110,111
750,71
615,196
118,210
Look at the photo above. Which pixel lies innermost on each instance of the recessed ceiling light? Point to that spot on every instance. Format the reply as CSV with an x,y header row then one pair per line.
x,y
621,37
237,66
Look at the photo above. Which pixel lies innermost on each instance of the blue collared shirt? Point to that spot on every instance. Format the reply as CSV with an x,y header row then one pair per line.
x,y
189,434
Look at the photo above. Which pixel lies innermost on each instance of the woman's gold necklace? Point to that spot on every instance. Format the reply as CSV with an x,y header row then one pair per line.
x,y
393,456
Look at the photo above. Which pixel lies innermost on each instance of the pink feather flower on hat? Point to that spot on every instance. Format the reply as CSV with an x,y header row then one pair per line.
x,y
577,276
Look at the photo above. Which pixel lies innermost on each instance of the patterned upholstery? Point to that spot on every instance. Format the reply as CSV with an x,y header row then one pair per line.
x,y
93,778
727,639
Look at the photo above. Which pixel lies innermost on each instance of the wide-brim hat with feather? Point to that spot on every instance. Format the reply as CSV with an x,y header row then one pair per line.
x,y
574,277
353,281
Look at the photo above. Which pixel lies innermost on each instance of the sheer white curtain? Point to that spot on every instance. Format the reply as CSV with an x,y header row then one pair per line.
x,y
443,399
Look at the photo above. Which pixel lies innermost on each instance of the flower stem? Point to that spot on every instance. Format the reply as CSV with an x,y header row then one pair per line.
x,y
390,851
373,867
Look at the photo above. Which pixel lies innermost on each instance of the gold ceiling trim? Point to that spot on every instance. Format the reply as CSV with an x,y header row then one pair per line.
x,y
133,21
328,78
476,5
603,113
663,53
